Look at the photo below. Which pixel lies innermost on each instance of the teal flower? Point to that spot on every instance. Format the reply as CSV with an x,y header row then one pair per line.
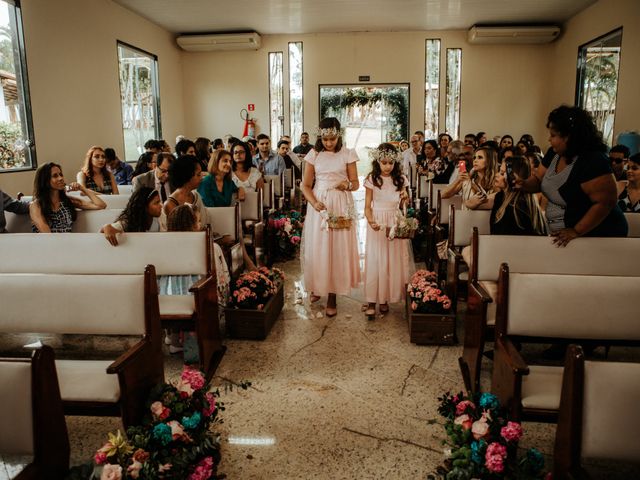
x,y
535,459
477,451
162,433
489,401
191,422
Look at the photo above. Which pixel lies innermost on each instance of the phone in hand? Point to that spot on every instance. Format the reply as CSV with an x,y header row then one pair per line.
x,y
511,178
462,166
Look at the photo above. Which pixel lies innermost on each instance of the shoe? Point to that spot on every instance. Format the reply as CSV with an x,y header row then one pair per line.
x,y
331,312
167,339
370,312
173,349
314,298
383,308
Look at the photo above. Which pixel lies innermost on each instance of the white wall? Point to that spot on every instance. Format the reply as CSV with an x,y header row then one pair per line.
x,y
502,86
73,75
599,19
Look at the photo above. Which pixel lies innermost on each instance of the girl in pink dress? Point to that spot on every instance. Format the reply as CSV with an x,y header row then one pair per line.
x,y
388,264
329,256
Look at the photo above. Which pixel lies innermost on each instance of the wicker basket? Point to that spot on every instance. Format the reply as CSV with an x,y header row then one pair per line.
x,y
404,235
339,223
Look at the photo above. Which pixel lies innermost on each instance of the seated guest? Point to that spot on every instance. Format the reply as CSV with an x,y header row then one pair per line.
x,y
154,146
218,144
10,205
157,178
444,139
166,148
185,176
476,185
481,138
203,151
140,215
217,188
506,142
146,162
404,145
253,146
522,147
629,199
52,211
428,157
448,168
290,160
509,152
122,171
515,212
245,175
95,175
304,146
185,147
619,157
268,161
470,139
527,138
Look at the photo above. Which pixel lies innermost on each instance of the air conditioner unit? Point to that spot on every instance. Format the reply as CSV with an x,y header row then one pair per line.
x,y
508,34
219,41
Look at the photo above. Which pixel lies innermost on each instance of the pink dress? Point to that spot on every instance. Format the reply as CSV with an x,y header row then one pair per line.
x,y
330,257
388,264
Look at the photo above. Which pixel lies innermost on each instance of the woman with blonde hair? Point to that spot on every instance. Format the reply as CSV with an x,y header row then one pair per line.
x,y
515,212
476,186
217,188
95,175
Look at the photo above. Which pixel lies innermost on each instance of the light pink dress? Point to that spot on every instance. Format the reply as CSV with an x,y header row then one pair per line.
x,y
388,264
330,257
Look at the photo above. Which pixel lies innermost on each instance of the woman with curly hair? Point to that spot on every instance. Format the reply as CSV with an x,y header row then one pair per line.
x,y
95,175
140,215
477,185
52,211
577,180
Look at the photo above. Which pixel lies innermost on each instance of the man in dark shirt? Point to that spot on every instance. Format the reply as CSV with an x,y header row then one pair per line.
x,y
10,205
123,172
304,146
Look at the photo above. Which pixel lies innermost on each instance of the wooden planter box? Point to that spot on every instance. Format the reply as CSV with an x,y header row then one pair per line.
x,y
431,328
254,324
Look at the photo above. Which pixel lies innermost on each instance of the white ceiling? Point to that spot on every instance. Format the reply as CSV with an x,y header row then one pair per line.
x,y
318,16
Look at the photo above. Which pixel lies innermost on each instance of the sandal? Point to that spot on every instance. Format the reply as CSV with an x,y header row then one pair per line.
x,y
330,312
370,311
383,308
314,298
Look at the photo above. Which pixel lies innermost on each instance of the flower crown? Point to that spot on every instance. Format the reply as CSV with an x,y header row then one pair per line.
x,y
328,132
377,155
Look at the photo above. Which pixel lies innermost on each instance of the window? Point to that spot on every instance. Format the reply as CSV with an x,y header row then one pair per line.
x,y
17,145
597,84
140,99
295,91
432,88
276,96
452,115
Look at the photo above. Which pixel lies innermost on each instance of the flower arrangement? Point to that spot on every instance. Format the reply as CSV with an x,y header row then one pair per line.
x,y
287,227
254,289
338,221
174,441
483,441
404,227
424,294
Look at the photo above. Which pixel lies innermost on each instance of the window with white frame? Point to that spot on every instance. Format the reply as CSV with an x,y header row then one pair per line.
x,y
454,70
432,88
140,99
295,91
17,145
276,96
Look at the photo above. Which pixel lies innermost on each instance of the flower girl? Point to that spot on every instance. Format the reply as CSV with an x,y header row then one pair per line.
x,y
388,263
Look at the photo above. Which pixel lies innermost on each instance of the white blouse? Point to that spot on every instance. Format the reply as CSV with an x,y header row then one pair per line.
x,y
250,182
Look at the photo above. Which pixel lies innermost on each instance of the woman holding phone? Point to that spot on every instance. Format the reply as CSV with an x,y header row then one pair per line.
x,y
476,186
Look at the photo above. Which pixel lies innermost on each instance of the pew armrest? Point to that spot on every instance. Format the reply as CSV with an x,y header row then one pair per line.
x,y
128,358
479,291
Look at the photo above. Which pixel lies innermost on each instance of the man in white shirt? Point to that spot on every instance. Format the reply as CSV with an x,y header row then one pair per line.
x,y
409,156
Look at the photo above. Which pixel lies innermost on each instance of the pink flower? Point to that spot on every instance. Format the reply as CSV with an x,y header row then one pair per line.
x,y
164,468
190,380
414,305
464,420
480,428
207,412
494,458
512,432
111,472
100,457
134,469
463,405
159,410
203,470
177,431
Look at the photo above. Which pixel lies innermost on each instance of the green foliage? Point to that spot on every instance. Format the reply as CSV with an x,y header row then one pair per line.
x,y
9,156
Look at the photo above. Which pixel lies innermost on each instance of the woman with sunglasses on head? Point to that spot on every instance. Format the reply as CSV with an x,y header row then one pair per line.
x,y
577,180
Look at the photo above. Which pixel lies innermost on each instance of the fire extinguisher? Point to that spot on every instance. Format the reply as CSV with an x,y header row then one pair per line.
x,y
249,124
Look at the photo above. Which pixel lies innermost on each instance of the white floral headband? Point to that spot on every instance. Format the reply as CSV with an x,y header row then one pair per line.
x,y
328,132
377,155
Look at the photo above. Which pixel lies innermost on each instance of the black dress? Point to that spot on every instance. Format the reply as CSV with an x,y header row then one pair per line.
x,y
507,225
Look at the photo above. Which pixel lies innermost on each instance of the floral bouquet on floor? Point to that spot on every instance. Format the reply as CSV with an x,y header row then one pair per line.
x,y
286,225
482,442
253,289
174,441
424,295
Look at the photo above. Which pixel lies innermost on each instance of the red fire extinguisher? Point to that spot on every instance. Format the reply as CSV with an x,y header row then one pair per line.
x,y
249,124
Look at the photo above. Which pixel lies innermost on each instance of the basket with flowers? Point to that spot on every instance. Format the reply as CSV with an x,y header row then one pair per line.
x,y
405,225
482,441
286,226
339,221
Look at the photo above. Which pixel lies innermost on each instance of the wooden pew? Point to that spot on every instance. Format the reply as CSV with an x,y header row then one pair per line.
x,y
461,225
439,218
633,219
32,415
75,304
555,308
172,253
278,185
227,232
88,221
595,419
530,254
251,215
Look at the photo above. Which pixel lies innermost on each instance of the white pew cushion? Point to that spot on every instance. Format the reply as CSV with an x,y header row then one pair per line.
x,y
87,381
492,289
176,305
609,421
16,413
542,387
466,255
